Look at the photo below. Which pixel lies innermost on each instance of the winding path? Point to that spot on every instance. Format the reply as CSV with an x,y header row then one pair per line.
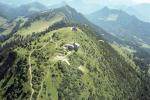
x,y
40,91
30,68
30,72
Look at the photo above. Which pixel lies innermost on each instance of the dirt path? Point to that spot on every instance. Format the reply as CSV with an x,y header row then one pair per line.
x,y
62,58
30,68
30,72
40,91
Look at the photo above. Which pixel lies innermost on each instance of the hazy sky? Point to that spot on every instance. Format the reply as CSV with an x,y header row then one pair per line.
x,y
81,5
85,1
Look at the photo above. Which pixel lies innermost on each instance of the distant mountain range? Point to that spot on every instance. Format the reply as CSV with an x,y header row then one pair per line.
x,y
10,12
141,11
127,28
119,22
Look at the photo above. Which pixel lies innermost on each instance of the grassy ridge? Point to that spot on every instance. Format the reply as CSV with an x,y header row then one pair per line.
x,y
94,71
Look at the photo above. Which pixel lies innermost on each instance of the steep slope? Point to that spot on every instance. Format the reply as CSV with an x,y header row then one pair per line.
x,y
128,29
10,27
62,61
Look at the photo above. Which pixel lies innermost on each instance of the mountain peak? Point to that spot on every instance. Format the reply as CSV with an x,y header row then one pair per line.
x,y
64,3
59,5
34,4
105,8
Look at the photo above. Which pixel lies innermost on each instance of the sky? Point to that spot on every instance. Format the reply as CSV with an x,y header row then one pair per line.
x,y
81,5
93,2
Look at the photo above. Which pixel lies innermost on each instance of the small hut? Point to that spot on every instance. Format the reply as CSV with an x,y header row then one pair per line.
x,y
72,46
101,41
74,28
76,46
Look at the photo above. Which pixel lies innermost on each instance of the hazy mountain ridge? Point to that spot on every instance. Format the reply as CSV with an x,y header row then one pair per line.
x,y
2,20
140,11
127,28
130,23
11,12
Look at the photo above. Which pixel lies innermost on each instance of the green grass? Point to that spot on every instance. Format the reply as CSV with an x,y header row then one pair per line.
x,y
67,36
39,25
127,53
50,88
105,74
146,46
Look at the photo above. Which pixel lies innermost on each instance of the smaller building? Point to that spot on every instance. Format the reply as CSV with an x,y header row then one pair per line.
x,y
76,46
74,28
101,41
72,46
69,47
